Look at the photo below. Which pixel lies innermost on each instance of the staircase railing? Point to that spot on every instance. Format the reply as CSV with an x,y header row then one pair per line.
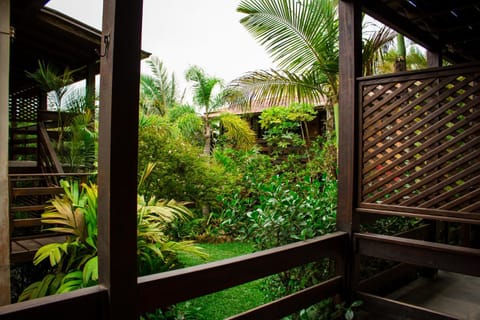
x,y
47,157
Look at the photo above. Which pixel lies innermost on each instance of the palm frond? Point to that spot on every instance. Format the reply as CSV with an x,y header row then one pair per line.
x,y
274,87
373,47
237,131
299,35
203,87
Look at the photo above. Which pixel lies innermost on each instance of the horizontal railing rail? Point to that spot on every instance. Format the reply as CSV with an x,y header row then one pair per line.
x,y
167,288
421,253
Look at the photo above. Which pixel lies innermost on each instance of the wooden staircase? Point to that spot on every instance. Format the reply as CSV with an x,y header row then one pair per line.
x,y
34,175
29,195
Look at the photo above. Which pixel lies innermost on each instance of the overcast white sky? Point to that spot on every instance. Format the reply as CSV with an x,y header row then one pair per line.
x,y
182,33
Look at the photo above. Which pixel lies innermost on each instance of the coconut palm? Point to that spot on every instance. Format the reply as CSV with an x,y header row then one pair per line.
x,y
302,38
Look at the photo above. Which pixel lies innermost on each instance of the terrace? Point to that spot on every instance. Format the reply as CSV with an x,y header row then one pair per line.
x,y
408,148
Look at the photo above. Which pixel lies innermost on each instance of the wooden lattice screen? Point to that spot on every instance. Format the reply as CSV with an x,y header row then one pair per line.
x,y
24,105
420,145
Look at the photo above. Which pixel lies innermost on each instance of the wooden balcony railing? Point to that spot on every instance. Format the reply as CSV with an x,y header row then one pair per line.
x,y
168,288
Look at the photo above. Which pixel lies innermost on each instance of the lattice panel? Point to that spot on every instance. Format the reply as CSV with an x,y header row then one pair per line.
x,y
421,142
24,105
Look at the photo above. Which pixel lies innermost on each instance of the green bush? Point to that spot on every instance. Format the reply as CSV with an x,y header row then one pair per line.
x,y
182,172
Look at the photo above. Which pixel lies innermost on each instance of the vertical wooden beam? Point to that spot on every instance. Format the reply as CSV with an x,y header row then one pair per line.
x,y
4,200
90,81
117,164
350,66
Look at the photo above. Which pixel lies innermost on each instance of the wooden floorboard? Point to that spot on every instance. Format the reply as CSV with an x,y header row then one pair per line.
x,y
452,293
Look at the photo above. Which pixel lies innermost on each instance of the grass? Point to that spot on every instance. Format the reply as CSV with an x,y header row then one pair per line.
x,y
228,302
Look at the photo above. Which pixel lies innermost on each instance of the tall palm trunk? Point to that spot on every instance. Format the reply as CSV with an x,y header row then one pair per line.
x,y
401,62
208,137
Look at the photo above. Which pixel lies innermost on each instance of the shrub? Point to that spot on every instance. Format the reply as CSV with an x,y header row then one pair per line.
x,y
182,172
75,261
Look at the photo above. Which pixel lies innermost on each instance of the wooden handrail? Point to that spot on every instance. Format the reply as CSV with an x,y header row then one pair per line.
x,y
51,155
421,253
168,288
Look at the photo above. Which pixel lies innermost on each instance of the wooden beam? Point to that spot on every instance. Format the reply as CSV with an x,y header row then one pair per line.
x,y
4,190
118,149
421,253
350,67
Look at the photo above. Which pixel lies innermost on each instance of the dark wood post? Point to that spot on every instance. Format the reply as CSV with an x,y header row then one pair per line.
x,y
117,163
4,190
350,32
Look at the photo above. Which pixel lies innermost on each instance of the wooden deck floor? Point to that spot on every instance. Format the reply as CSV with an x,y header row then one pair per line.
x,y
24,250
452,293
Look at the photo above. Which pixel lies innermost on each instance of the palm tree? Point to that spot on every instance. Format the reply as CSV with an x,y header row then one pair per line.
x,y
302,38
209,95
158,91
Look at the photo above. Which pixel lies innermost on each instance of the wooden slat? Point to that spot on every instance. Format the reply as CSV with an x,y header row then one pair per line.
x,y
368,99
294,302
168,288
471,195
430,130
431,167
27,208
27,222
370,123
399,310
28,176
425,108
442,184
401,90
469,185
421,253
421,74
36,191
369,212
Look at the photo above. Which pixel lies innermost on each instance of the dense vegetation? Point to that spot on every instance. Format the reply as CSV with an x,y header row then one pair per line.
x,y
233,196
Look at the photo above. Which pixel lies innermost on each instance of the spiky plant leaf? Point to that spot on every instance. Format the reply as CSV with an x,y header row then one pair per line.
x,y
71,281
90,271
53,251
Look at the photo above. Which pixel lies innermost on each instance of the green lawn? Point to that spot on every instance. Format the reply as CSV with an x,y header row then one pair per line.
x,y
228,302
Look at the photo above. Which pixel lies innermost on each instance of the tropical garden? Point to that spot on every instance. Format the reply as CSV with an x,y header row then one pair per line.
x,y
206,189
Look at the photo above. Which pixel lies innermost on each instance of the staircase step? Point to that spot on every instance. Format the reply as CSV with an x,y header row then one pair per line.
x,y
24,150
37,207
27,222
23,131
23,141
35,191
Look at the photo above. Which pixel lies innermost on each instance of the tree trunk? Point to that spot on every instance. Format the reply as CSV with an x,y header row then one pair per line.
x,y
207,149
401,62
